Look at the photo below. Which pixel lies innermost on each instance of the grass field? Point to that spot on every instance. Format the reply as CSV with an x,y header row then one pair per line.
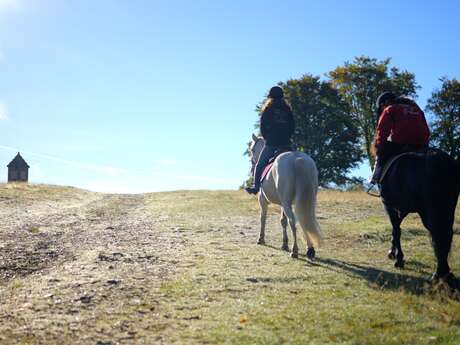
x,y
184,267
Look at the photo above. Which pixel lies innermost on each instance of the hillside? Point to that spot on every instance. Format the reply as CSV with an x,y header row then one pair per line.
x,y
183,267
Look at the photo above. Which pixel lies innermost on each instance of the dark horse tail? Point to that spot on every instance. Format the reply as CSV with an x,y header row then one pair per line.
x,y
445,164
443,170
457,167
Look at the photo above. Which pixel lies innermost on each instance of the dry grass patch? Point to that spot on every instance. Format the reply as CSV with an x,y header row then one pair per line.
x,y
183,267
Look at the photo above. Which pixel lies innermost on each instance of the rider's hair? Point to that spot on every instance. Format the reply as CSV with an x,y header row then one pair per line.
x,y
279,103
373,150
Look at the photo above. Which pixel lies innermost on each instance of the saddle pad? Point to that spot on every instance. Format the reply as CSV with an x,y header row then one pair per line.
x,y
266,171
388,165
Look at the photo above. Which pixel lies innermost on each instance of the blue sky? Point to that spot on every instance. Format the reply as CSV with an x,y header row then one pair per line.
x,y
138,96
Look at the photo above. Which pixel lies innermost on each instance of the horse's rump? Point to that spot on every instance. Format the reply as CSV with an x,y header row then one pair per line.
x,y
415,178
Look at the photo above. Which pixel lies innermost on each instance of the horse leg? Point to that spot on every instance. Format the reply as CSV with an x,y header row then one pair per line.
x,y
395,251
263,217
287,209
284,226
440,225
305,203
442,241
311,253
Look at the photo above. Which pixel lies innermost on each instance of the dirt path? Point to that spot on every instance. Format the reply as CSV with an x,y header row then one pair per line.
x,y
83,270
184,268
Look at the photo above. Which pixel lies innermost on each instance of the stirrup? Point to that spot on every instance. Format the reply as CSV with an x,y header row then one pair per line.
x,y
368,191
252,190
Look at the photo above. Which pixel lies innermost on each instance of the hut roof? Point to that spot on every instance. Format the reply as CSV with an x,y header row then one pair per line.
x,y
18,162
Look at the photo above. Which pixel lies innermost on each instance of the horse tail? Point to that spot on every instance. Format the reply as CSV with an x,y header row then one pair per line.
x,y
306,188
457,170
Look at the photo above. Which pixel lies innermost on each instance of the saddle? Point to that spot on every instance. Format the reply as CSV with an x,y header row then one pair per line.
x,y
269,166
386,167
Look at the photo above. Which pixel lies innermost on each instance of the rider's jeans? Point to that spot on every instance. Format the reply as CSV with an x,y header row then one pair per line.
x,y
267,153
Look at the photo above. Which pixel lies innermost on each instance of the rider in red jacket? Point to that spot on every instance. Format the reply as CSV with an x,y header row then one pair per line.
x,y
401,127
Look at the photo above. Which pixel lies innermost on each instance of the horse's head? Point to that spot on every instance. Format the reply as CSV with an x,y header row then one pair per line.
x,y
255,148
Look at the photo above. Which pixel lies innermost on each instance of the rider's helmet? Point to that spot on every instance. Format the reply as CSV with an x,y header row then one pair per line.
x,y
384,97
276,92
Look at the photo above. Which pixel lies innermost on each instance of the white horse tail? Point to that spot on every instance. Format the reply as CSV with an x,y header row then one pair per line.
x,y
306,189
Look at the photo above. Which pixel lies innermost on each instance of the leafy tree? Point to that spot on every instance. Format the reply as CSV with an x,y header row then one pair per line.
x,y
324,129
361,82
444,104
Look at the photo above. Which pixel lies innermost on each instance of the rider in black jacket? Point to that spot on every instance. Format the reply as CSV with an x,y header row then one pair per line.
x,y
276,127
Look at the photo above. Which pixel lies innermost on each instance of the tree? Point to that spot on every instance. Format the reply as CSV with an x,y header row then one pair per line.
x,y
324,130
361,82
444,104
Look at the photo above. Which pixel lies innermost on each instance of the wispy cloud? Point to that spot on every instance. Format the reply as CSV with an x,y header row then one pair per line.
x,y
3,110
7,4
104,169
118,180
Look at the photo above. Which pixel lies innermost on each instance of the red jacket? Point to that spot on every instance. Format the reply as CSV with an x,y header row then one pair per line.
x,y
404,123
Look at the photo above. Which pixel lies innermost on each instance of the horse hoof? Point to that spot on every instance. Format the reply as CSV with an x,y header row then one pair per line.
x,y
391,255
261,242
311,253
399,264
445,278
294,255
285,248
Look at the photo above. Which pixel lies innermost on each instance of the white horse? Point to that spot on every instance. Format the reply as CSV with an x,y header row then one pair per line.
x,y
293,179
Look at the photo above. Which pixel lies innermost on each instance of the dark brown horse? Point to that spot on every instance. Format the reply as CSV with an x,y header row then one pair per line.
x,y
427,183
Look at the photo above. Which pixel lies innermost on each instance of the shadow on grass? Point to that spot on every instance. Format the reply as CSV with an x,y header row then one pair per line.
x,y
381,279
279,248
385,280
376,277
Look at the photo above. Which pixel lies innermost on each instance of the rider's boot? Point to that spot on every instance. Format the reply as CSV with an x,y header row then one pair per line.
x,y
375,178
254,189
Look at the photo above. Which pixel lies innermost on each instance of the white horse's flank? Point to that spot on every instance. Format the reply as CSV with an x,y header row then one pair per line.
x,y
293,180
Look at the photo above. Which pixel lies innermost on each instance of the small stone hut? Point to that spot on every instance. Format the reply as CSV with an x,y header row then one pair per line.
x,y
18,169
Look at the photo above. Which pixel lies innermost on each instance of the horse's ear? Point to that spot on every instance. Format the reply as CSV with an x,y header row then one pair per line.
x,y
254,137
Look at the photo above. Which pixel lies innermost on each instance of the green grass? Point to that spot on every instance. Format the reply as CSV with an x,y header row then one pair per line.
x,y
231,291
226,289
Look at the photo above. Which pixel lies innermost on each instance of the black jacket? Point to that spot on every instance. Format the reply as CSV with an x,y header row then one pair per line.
x,y
277,125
